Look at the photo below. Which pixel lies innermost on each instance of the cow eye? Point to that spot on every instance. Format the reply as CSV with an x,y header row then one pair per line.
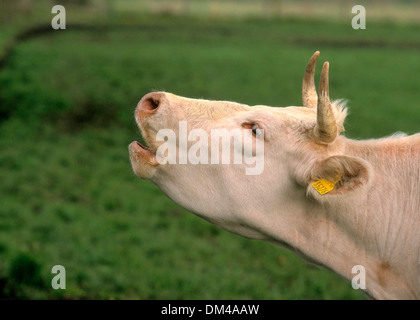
x,y
256,130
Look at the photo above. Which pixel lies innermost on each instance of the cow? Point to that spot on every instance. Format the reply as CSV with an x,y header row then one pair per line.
x,y
337,202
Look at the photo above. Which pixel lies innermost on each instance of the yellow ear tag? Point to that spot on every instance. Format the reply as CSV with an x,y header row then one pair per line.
x,y
323,186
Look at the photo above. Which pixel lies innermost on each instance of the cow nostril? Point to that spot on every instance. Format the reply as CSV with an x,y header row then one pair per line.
x,y
150,104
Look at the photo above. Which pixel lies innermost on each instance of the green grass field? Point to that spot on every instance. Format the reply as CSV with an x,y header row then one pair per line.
x,y
67,192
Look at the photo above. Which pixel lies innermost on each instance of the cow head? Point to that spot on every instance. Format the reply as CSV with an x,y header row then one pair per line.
x,y
302,146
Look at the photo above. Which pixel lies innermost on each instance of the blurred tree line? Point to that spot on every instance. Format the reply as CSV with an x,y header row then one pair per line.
x,y
18,10
11,10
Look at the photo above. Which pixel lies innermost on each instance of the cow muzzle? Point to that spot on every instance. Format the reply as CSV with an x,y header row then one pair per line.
x,y
149,116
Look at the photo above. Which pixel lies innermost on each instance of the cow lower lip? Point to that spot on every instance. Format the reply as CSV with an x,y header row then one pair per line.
x,y
138,152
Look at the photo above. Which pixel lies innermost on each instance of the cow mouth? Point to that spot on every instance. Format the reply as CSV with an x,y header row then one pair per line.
x,y
143,153
144,147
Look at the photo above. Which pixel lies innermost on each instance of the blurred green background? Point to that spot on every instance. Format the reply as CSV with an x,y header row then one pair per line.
x,y
67,192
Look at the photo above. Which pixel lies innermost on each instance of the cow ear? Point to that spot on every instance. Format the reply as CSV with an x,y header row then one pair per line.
x,y
338,175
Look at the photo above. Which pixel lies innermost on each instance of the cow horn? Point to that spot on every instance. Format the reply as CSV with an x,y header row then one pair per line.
x,y
326,125
309,95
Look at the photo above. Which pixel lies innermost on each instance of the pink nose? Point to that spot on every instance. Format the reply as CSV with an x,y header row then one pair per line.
x,y
150,102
